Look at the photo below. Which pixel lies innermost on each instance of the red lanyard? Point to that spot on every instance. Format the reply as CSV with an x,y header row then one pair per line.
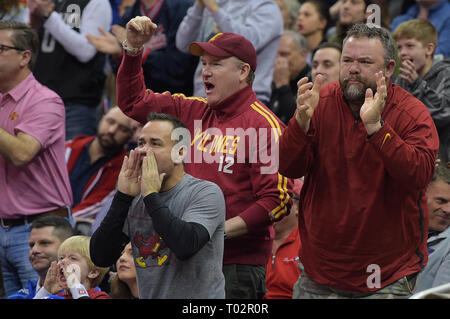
x,y
153,11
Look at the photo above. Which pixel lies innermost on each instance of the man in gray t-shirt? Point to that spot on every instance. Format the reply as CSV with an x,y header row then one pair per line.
x,y
174,221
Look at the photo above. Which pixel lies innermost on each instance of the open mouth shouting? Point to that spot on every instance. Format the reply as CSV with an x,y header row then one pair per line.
x,y
61,277
69,276
209,87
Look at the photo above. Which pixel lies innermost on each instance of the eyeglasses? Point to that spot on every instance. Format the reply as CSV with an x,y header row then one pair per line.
x,y
7,47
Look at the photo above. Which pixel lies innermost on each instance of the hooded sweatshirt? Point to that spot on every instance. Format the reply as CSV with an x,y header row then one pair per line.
x,y
434,91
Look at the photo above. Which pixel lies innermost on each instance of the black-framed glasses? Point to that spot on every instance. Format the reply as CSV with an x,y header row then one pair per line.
x,y
4,48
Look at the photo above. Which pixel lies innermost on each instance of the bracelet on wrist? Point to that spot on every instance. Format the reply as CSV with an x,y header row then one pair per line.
x,y
131,50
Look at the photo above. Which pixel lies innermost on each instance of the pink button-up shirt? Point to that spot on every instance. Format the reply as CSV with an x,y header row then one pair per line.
x,y
43,183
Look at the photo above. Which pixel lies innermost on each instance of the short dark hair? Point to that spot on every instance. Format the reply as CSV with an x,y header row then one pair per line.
x,y
325,45
361,30
63,228
176,122
24,38
332,45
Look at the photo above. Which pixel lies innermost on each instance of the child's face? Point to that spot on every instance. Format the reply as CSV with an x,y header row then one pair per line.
x,y
73,269
414,51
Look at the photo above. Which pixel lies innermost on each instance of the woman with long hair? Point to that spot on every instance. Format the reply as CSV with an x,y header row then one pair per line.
x,y
312,23
124,284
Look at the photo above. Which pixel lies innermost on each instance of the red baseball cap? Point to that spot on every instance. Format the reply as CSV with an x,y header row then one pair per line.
x,y
225,45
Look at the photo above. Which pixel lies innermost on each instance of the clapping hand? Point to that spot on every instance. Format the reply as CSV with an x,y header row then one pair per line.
x,y
119,32
40,7
307,100
105,43
370,112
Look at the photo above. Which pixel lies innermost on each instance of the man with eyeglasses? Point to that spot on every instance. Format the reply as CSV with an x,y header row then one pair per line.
x,y
33,174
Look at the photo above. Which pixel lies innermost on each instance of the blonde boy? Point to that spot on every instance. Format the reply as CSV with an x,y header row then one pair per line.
x,y
74,276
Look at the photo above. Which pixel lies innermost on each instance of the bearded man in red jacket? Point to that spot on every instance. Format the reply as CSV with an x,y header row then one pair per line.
x,y
367,150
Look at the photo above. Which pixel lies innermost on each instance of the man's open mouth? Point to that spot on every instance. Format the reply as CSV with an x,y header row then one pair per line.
x,y
209,87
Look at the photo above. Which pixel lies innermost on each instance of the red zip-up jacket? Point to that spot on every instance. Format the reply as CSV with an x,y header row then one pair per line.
x,y
363,203
258,197
101,186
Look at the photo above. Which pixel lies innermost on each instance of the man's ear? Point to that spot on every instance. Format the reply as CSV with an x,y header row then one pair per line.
x,y
178,153
26,58
245,70
390,69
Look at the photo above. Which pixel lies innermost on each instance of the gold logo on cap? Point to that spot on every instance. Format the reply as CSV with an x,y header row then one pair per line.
x,y
214,37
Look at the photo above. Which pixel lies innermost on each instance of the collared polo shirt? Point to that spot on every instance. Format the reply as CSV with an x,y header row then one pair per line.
x,y
43,183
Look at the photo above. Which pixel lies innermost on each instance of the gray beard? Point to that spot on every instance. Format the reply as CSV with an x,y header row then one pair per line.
x,y
354,94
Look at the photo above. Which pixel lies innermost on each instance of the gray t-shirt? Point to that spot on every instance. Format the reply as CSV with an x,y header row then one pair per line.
x,y
160,274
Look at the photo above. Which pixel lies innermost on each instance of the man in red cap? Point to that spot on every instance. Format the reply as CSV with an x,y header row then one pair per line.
x,y
232,50
282,269
233,143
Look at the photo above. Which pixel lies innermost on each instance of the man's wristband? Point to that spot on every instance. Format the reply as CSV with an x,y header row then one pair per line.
x,y
382,123
131,50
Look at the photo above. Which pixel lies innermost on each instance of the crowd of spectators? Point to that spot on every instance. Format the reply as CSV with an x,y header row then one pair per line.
x,y
91,98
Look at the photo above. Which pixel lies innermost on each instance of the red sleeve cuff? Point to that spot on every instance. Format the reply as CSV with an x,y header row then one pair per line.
x,y
383,138
255,217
